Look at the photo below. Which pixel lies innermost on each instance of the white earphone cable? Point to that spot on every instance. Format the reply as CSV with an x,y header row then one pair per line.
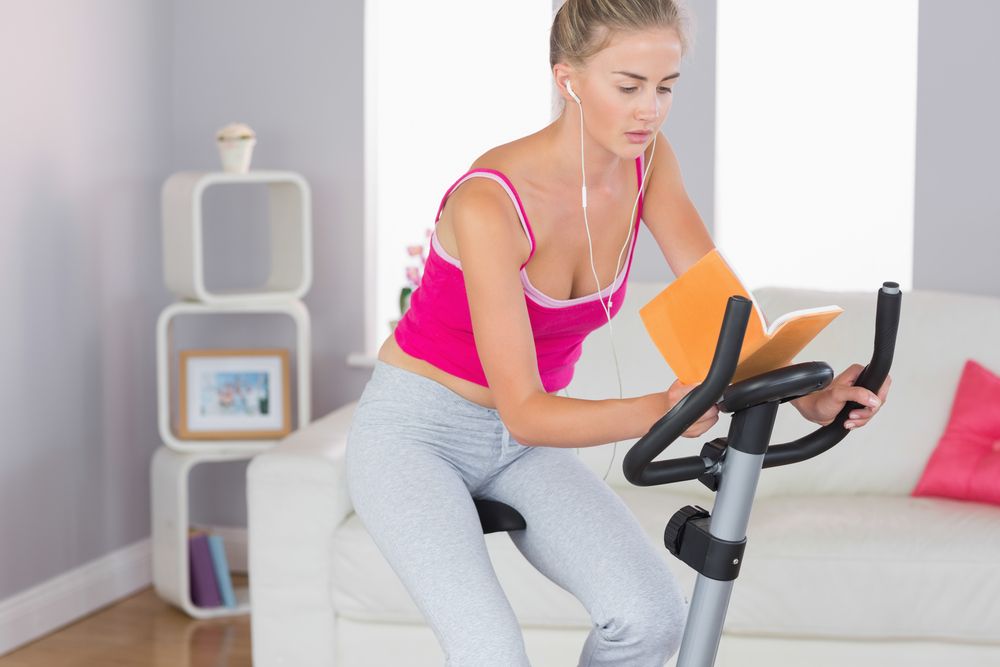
x,y
606,307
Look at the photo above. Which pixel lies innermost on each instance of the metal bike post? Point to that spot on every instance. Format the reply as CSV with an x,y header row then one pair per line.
x,y
749,434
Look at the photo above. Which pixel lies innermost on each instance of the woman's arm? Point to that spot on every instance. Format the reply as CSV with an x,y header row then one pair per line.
x,y
669,214
491,248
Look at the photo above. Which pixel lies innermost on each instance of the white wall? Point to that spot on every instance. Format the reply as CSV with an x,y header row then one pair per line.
x,y
815,153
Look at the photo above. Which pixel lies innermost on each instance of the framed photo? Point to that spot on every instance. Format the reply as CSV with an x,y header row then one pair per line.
x,y
234,394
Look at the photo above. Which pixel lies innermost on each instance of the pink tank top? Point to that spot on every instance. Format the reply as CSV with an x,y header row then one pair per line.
x,y
437,327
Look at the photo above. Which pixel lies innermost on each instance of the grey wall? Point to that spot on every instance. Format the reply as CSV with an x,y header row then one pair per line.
x,y
691,130
102,102
85,137
957,207
293,71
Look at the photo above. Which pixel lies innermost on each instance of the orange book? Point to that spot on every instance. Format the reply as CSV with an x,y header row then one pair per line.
x,y
684,321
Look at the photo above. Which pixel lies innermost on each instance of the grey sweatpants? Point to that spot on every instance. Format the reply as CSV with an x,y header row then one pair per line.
x,y
417,454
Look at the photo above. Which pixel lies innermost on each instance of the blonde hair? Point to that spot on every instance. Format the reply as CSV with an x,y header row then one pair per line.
x,y
581,28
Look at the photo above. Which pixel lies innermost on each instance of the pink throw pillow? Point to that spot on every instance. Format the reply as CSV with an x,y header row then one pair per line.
x,y
966,463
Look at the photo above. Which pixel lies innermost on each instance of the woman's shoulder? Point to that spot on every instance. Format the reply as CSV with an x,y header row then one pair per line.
x,y
482,195
484,207
510,161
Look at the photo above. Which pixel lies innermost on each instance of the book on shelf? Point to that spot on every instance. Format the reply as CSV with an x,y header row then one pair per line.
x,y
684,321
222,575
204,586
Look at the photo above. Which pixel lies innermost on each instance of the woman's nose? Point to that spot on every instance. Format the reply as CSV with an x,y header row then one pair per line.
x,y
650,109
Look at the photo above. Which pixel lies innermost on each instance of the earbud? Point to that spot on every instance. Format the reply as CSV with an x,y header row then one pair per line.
x,y
569,89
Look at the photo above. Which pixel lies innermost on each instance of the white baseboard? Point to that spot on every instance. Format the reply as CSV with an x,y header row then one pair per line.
x,y
70,596
63,599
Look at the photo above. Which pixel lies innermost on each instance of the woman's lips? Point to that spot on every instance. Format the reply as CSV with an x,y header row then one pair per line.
x,y
638,137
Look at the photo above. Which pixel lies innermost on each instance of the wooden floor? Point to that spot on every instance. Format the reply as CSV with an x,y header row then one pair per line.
x,y
140,631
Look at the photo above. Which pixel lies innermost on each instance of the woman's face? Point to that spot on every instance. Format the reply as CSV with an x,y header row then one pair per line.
x,y
626,89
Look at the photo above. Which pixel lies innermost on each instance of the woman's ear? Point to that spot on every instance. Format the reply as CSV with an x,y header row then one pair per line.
x,y
561,74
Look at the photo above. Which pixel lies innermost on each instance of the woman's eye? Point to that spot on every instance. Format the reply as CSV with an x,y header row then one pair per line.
x,y
632,89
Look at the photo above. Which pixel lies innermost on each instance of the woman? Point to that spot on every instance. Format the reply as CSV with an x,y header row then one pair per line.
x,y
462,400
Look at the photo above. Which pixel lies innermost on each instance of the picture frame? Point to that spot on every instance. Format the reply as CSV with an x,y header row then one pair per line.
x,y
234,394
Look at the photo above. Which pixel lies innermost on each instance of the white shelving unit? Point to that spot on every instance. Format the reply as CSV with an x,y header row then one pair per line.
x,y
296,310
290,216
171,576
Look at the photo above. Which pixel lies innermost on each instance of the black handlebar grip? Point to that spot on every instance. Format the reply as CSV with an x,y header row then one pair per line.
x,y
871,378
638,465
886,327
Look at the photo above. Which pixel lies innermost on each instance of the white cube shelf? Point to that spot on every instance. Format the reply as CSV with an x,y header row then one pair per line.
x,y
169,476
290,219
296,310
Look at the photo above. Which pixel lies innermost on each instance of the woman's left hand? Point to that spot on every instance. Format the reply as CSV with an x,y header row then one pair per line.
x,y
822,407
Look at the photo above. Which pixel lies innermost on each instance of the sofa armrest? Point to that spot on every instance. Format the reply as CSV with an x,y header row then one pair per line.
x,y
296,498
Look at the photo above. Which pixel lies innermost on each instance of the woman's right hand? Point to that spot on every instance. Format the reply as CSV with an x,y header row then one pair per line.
x,y
679,390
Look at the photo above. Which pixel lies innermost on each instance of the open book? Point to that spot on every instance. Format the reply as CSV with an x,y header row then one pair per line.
x,y
684,321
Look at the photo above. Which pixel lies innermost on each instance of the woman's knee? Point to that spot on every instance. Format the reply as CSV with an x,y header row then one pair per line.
x,y
652,623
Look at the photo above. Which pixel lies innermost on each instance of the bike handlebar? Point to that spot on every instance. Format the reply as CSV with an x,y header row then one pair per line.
x,y
639,467
641,470
871,378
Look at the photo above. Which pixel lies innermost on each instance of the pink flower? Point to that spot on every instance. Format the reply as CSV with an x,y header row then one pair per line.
x,y
416,251
413,275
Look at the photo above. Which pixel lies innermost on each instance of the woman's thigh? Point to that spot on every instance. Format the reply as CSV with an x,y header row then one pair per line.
x,y
582,536
409,483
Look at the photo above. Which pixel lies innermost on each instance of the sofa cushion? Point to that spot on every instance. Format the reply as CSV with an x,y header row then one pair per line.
x,y
868,567
905,567
966,463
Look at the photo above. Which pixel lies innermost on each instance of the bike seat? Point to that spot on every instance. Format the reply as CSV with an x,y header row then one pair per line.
x,y
781,384
497,517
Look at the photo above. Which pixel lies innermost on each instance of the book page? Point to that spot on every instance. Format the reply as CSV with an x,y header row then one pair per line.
x,y
790,337
685,319
796,314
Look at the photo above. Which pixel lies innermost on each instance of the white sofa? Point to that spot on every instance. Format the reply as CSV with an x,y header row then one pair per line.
x,y
842,566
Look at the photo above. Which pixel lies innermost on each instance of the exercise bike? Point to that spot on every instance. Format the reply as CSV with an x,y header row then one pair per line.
x,y
713,542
